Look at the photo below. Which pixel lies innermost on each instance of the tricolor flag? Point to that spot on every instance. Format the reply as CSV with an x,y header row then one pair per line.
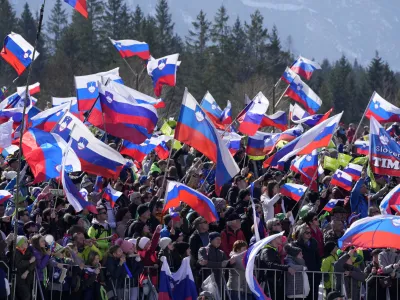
x,y
261,143
79,5
73,105
98,184
317,137
111,195
138,152
4,196
248,263
342,180
305,67
129,48
361,147
306,165
277,120
17,52
96,157
33,89
384,153
391,201
132,94
179,285
288,76
354,171
211,107
226,115
232,141
163,71
178,192
300,116
293,191
44,152
291,133
250,120
87,88
196,129
123,117
382,110
48,119
6,130
303,94
331,204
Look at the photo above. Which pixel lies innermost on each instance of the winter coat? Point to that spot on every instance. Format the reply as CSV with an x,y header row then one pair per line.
x,y
358,202
295,283
310,254
319,238
121,227
97,231
229,237
22,264
237,278
233,193
149,258
216,259
268,205
328,267
195,243
387,259
42,260
115,272
351,281
136,268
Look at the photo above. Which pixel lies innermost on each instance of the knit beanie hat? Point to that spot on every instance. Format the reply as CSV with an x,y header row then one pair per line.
x,y
164,242
142,242
181,247
292,250
213,235
142,208
132,241
125,245
20,240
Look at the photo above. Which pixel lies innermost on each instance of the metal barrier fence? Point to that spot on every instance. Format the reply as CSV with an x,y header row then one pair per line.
x,y
230,284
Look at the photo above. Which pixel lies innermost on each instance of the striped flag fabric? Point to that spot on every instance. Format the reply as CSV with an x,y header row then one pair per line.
x,y
353,170
342,180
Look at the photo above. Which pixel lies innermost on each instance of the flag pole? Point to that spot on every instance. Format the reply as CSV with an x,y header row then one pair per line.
x,y
169,158
280,98
205,179
359,124
27,96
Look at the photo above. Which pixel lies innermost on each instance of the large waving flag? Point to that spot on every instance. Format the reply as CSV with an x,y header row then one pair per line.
x,y
132,94
44,152
87,87
248,262
292,133
317,137
111,195
306,165
138,152
288,76
79,5
303,94
73,105
16,100
95,156
48,119
18,52
391,201
129,48
382,110
300,116
305,67
381,231
384,153
211,107
226,116
196,129
179,285
250,121
232,141
178,192
277,120
293,191
342,179
163,71
123,117
261,143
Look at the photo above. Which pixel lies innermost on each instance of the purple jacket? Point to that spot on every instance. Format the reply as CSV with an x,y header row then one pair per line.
x,y
41,262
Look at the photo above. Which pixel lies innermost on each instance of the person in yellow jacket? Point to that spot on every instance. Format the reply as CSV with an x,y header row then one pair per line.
x,y
100,229
84,247
331,257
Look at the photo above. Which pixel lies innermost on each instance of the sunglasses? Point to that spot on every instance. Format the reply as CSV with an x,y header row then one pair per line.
x,y
102,213
307,232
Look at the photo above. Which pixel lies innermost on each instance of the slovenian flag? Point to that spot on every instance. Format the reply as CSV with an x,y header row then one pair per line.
x,y
342,180
354,171
48,119
17,52
73,105
138,152
288,76
306,165
226,115
361,147
261,143
232,141
79,5
303,94
4,196
300,116
211,107
293,191
98,184
178,192
277,120
331,204
44,152
111,195
163,71
252,115
391,201
305,67
382,110
129,48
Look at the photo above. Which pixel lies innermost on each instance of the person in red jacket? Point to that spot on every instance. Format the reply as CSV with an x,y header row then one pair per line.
x,y
147,252
231,233
311,219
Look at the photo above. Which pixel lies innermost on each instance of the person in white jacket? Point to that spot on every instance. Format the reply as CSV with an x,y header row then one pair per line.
x,y
269,198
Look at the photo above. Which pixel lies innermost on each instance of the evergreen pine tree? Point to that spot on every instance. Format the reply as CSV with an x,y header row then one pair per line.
x,y
164,30
27,25
138,21
220,30
56,26
199,36
375,73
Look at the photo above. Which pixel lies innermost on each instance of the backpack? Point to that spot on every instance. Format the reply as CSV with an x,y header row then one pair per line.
x,y
100,229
